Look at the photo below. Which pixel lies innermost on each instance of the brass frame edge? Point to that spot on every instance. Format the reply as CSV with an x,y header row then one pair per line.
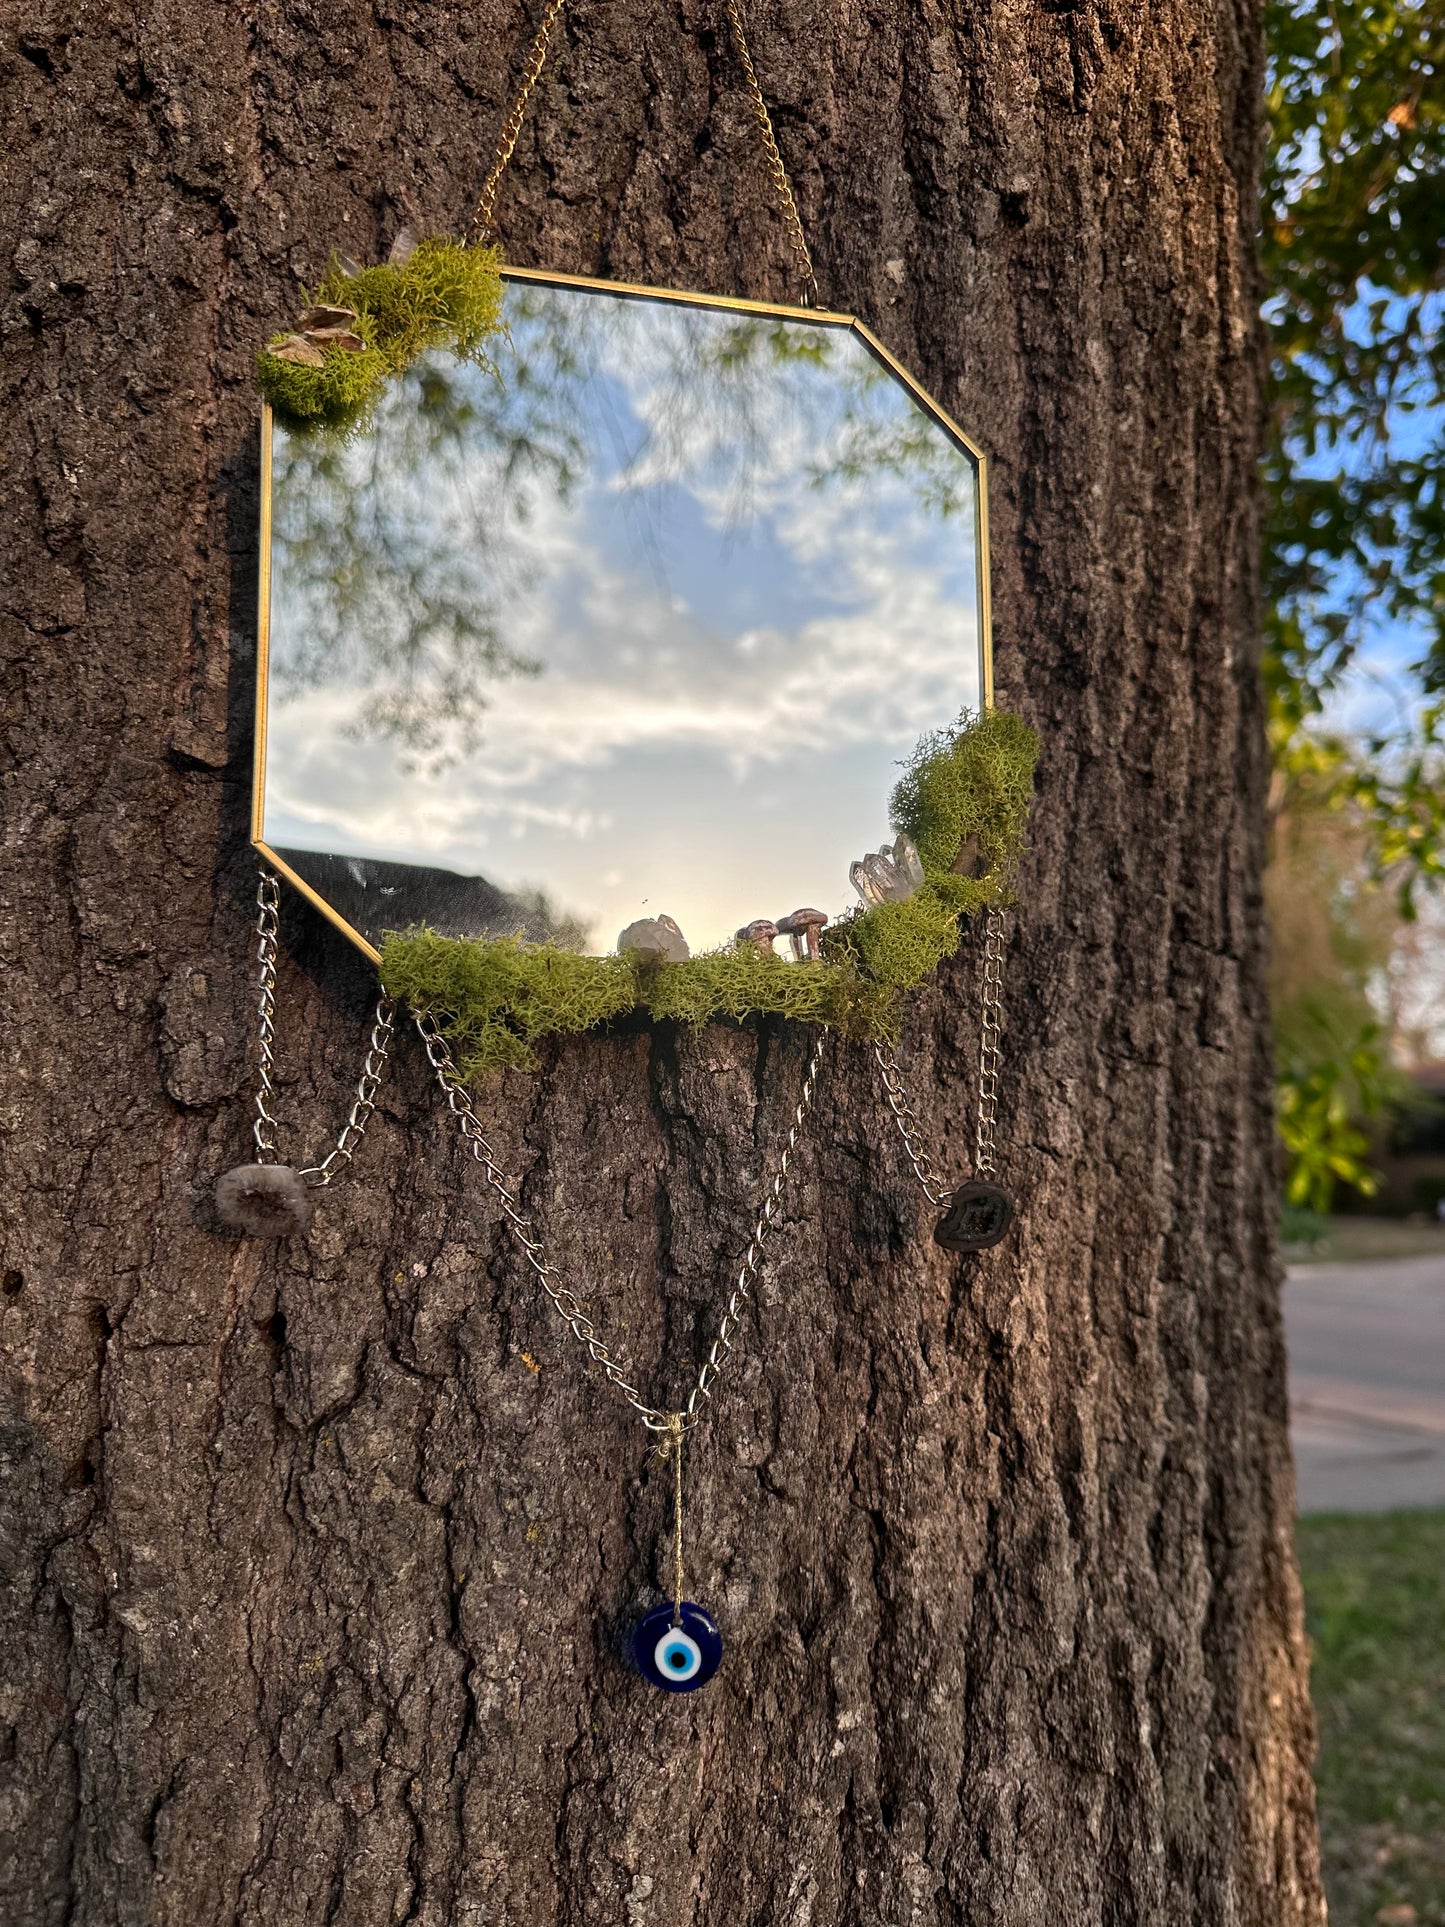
x,y
263,664
638,290
263,636
915,387
980,510
317,901
985,592
635,290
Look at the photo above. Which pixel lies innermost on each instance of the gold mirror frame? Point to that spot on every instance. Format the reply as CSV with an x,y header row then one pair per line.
x,y
813,317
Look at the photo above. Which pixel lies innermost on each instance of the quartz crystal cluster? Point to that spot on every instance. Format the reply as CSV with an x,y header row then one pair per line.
x,y
656,940
891,874
888,875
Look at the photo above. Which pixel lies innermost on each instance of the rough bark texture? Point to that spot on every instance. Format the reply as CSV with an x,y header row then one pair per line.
x,y
317,1556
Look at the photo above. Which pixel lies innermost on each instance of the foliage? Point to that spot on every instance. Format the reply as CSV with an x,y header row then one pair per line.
x,y
1354,537
1316,1109
497,999
1354,185
1333,927
395,587
1374,1608
445,295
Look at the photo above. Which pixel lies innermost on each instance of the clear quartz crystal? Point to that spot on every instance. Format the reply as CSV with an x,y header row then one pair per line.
x,y
889,875
910,863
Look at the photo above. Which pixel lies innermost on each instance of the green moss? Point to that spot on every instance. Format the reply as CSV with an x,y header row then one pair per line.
x,y
973,780
496,999
739,983
898,944
969,784
446,295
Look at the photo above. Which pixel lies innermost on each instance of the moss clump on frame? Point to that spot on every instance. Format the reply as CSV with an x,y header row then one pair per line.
x,y
445,295
737,983
964,800
963,796
974,780
497,998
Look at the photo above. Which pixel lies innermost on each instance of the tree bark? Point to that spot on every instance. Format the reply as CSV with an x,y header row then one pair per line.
x,y
318,1556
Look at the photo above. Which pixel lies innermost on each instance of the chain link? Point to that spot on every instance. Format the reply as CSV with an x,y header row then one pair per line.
x,y
990,1059
484,218
569,1307
268,904
797,240
721,1347
907,1120
364,1102
990,1029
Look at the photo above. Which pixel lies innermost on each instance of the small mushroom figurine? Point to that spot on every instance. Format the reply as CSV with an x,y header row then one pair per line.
x,y
327,325
759,933
320,327
802,926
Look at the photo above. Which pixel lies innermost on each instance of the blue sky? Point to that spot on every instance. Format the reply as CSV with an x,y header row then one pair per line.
x,y
739,638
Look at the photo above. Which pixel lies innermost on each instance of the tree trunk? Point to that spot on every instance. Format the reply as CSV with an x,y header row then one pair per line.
x,y
319,1554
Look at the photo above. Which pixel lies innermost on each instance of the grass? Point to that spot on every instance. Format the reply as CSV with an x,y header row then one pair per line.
x,y
1375,1608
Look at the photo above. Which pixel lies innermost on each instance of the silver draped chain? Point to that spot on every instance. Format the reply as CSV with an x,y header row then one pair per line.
x,y
989,1060
573,1310
268,903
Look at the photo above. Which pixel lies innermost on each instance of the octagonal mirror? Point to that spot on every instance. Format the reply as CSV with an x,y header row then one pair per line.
x,y
639,620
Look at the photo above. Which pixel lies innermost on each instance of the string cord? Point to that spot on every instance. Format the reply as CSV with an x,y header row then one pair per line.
x,y
671,1446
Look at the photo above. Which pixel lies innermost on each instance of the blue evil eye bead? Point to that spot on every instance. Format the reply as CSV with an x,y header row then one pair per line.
x,y
678,1658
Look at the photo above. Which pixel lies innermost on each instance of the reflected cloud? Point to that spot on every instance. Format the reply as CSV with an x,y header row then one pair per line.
x,y
700,624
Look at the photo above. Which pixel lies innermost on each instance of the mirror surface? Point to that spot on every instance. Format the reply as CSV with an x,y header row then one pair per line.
x,y
640,621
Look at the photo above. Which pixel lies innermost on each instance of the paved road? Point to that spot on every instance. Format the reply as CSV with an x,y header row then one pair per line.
x,y
1367,1383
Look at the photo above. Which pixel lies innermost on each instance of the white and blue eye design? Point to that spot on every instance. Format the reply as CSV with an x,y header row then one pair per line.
x,y
679,1658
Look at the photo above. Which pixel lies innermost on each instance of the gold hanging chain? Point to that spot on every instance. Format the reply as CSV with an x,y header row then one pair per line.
x,y
764,123
672,1444
484,219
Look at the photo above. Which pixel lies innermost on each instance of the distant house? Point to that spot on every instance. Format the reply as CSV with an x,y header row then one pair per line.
x,y
1412,1158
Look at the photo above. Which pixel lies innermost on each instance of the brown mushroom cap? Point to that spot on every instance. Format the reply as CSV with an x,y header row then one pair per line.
x,y
759,933
799,920
322,315
298,349
336,338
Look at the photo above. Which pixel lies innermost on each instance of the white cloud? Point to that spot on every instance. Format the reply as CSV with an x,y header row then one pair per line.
x,y
686,655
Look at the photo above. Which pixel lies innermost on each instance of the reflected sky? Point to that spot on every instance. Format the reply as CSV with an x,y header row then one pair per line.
x,y
643,620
